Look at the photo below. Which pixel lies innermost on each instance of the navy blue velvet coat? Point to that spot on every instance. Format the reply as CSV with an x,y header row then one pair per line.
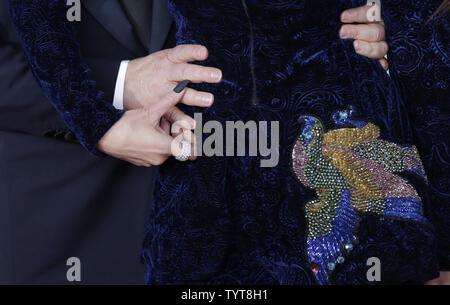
x,y
420,65
227,220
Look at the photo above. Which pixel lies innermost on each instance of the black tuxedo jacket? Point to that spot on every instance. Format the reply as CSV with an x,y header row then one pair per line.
x,y
56,200
110,31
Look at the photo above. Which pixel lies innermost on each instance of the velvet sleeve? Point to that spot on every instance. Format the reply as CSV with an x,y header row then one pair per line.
x,y
420,65
49,41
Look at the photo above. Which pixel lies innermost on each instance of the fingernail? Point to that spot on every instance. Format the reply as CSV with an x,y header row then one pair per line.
x,y
203,52
207,99
345,33
216,76
181,86
345,16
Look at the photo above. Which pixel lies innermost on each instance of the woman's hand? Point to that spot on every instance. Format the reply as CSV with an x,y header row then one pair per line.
x,y
443,279
365,25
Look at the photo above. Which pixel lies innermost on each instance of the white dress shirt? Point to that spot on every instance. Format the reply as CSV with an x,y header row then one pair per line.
x,y
120,85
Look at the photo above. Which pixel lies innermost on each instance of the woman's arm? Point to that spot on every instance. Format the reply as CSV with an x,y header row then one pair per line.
x,y
50,44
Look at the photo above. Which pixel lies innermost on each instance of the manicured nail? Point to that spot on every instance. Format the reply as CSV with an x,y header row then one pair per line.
x,y
202,52
345,16
216,76
207,99
346,33
181,86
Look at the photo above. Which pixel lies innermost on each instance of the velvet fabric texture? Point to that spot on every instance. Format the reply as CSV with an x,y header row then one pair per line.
x,y
226,220
420,65
49,41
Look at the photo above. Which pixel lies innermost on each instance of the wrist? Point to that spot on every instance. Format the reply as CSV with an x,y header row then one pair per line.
x,y
132,86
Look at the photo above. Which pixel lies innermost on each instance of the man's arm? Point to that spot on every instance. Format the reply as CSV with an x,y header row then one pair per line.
x,y
53,52
23,106
49,42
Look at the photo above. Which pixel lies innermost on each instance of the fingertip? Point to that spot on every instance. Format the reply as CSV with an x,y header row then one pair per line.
x,y
345,32
345,16
216,75
358,46
203,53
384,63
207,99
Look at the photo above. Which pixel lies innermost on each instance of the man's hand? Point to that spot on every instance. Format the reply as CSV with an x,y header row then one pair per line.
x,y
142,136
368,32
148,79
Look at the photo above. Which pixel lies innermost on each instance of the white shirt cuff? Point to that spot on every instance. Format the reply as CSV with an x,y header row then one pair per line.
x,y
120,85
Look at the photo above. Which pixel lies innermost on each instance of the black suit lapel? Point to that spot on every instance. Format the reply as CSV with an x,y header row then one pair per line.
x,y
117,18
110,14
140,14
162,21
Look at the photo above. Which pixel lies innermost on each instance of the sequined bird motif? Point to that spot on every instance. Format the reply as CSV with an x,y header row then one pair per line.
x,y
353,171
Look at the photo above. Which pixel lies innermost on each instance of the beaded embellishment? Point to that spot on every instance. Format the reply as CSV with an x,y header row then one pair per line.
x,y
352,171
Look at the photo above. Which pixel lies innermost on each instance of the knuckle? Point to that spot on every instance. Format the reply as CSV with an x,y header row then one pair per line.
x,y
200,72
163,54
183,72
171,71
355,31
377,34
382,30
158,67
178,48
169,53
189,95
171,114
173,54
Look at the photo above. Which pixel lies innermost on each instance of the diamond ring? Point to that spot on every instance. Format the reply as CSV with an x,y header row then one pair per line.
x,y
185,152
